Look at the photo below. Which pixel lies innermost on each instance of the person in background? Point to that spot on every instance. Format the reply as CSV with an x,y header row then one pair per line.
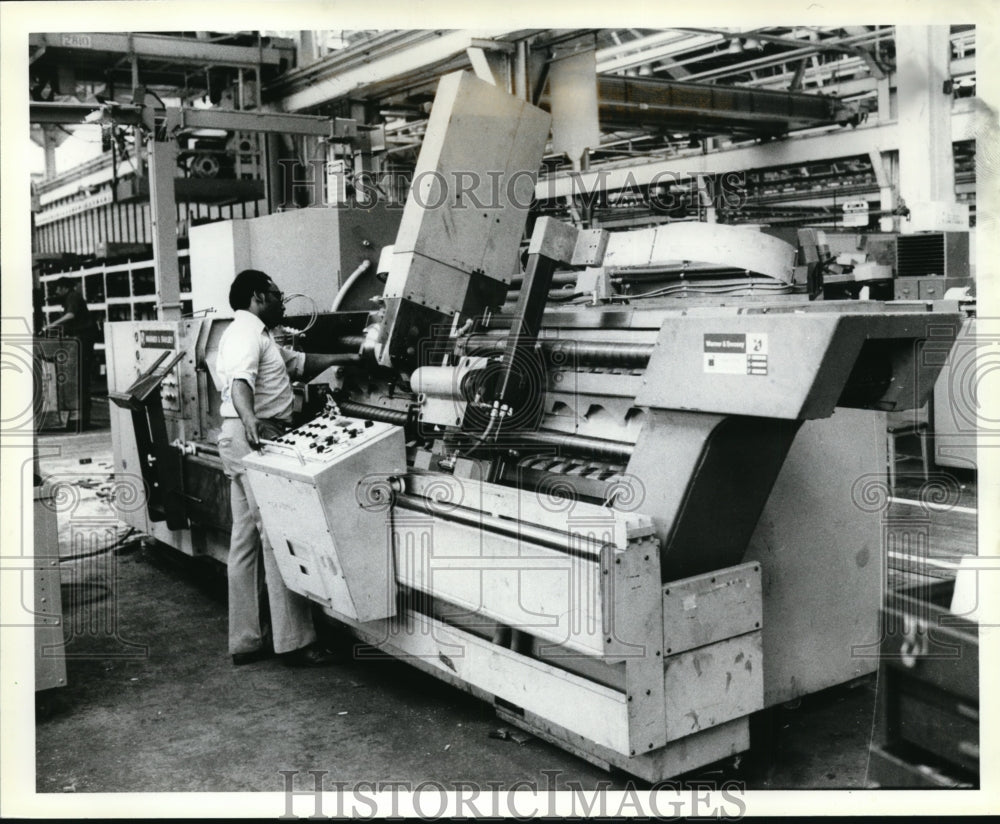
x,y
257,402
78,324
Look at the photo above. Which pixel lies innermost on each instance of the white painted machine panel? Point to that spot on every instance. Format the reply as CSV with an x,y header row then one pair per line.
x,y
329,532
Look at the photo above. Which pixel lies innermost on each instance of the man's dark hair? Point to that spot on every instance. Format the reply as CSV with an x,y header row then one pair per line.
x,y
67,283
247,284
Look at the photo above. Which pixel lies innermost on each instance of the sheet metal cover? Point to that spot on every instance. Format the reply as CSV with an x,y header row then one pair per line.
x,y
729,246
775,366
793,364
473,182
575,125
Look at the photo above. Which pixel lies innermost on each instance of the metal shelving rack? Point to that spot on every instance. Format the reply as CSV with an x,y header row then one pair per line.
x,y
116,291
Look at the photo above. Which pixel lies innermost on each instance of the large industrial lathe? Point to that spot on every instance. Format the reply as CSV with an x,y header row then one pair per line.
x,y
628,526
669,551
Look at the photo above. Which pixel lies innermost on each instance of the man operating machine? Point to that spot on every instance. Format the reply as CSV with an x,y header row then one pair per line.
x,y
257,404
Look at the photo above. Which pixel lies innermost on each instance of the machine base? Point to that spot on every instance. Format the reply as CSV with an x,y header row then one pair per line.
x,y
676,758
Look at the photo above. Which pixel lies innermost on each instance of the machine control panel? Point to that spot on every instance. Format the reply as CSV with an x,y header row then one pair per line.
x,y
329,435
331,542
170,392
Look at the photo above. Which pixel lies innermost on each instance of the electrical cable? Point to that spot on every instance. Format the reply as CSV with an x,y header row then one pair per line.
x,y
479,440
117,543
363,267
713,287
313,312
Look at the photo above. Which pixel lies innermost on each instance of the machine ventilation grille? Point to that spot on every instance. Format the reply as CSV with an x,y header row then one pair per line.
x,y
920,255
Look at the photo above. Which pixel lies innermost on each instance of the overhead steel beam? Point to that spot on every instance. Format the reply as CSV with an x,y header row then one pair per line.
x,y
174,50
61,112
785,57
833,44
98,170
640,44
960,67
358,70
268,122
191,118
163,217
651,49
967,121
77,113
927,168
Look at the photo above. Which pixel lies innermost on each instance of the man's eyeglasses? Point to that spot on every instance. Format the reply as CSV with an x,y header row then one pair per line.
x,y
276,293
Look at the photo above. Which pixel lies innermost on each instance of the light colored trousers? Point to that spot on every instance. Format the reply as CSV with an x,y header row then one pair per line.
x,y
251,563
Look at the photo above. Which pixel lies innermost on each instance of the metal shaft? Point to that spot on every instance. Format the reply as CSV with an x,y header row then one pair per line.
x,y
590,353
563,541
598,448
573,352
558,279
351,342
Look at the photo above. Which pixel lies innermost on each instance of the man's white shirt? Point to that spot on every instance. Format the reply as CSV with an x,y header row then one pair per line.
x,y
248,352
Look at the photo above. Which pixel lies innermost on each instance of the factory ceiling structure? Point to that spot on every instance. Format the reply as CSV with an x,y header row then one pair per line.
x,y
662,96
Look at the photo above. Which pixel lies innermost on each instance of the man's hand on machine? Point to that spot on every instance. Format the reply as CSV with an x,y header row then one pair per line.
x,y
243,401
250,427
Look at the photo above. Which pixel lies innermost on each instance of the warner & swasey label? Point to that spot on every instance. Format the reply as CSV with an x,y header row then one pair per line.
x,y
729,353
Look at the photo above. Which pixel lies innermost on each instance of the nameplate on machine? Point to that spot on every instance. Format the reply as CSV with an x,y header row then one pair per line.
x,y
157,339
735,353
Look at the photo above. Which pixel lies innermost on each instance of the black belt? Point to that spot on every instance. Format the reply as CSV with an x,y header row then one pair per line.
x,y
281,425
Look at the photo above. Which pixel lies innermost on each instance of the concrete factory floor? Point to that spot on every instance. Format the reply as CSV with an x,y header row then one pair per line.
x,y
154,704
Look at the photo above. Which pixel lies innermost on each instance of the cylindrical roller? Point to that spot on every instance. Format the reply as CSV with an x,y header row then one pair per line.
x,y
440,381
207,462
592,353
595,353
600,353
598,448
558,279
351,343
554,294
374,413
572,543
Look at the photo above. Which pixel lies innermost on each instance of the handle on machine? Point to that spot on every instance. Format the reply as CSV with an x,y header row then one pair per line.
x,y
287,447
